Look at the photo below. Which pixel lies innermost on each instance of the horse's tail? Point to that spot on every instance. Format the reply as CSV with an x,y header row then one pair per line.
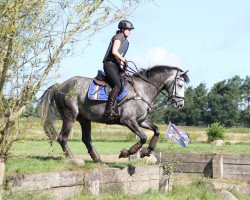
x,y
47,111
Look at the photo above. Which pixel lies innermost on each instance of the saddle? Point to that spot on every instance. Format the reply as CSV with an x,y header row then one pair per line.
x,y
101,78
99,88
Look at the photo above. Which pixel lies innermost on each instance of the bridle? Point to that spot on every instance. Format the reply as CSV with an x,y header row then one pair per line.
x,y
174,95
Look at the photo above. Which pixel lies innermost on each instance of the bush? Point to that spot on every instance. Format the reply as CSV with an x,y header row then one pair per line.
x,y
215,132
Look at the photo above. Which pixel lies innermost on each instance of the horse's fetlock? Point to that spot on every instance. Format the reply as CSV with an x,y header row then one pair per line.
x,y
94,155
124,153
135,148
145,152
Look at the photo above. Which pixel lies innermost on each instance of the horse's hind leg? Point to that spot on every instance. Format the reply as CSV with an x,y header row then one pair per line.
x,y
152,144
63,137
86,138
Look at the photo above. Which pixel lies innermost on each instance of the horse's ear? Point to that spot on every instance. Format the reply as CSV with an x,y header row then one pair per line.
x,y
182,73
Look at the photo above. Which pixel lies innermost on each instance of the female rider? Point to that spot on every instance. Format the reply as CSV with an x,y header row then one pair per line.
x,y
112,62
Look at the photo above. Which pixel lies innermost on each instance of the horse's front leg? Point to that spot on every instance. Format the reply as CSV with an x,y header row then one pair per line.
x,y
135,128
152,144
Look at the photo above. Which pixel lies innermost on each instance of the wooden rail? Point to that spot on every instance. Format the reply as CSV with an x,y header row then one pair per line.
x,y
217,166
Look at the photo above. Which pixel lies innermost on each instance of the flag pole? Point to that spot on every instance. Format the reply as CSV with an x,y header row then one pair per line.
x,y
167,129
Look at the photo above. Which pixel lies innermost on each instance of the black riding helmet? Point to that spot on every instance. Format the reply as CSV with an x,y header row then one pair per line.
x,y
125,24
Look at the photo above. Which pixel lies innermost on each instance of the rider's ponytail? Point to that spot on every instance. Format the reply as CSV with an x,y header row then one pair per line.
x,y
118,31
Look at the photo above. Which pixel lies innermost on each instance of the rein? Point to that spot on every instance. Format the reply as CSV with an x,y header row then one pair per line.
x,y
143,77
146,80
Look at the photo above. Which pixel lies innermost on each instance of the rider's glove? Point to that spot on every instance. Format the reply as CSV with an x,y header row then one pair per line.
x,y
125,65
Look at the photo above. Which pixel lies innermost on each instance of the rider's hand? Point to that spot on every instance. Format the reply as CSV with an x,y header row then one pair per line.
x,y
125,65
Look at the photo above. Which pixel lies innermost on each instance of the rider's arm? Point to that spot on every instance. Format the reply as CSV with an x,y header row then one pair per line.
x,y
115,51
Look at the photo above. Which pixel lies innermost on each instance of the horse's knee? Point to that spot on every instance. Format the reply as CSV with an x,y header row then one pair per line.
x,y
143,140
61,140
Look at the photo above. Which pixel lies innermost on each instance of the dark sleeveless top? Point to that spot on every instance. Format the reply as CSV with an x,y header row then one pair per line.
x,y
122,49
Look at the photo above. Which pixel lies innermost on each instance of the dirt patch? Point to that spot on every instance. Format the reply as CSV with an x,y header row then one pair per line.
x,y
106,158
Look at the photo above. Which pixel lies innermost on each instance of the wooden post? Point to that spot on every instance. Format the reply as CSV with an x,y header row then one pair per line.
x,y
2,172
217,165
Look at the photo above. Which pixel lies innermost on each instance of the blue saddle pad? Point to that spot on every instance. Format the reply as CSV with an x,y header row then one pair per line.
x,y
98,92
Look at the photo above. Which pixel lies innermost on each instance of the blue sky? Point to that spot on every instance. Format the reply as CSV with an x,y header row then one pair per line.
x,y
211,39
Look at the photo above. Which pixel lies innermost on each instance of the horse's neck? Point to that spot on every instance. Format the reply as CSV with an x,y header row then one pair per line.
x,y
149,88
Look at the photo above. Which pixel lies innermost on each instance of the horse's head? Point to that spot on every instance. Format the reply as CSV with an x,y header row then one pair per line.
x,y
176,88
172,79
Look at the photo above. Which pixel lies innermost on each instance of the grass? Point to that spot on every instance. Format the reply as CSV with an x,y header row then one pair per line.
x,y
39,156
34,153
31,129
195,191
42,148
202,147
240,196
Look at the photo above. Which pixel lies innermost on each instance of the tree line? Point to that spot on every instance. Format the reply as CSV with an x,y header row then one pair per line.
x,y
227,103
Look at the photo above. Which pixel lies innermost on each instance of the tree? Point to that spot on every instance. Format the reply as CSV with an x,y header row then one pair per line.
x,y
245,104
223,101
195,109
180,116
196,113
228,103
34,37
160,105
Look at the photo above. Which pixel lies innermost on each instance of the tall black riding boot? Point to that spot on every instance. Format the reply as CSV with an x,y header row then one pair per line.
x,y
110,111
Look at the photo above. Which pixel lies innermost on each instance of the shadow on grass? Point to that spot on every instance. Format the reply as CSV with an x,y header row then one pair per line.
x,y
46,158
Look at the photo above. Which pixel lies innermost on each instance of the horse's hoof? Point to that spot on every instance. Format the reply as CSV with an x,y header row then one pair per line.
x,y
124,153
97,161
145,152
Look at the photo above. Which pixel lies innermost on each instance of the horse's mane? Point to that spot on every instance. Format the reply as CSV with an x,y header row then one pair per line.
x,y
152,71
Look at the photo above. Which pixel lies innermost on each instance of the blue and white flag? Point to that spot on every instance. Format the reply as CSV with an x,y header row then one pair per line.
x,y
177,135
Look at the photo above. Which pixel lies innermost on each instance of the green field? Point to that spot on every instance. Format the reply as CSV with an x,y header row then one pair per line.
x,y
31,129
33,153
33,156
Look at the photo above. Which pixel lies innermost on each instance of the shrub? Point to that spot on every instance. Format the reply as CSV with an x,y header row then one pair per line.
x,y
215,132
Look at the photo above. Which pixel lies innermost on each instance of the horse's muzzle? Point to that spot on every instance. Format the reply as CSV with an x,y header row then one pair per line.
x,y
180,106
178,103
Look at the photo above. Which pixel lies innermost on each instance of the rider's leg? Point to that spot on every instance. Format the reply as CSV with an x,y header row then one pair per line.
x,y
111,104
112,72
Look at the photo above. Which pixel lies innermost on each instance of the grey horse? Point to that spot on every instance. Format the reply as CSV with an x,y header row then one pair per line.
x,y
71,100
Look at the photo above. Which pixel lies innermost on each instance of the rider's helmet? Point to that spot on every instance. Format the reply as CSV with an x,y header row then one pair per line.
x,y
125,24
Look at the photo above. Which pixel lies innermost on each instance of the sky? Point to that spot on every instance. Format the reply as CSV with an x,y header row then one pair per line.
x,y
210,38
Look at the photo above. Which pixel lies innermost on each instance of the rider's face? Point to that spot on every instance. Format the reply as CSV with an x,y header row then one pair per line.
x,y
127,32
